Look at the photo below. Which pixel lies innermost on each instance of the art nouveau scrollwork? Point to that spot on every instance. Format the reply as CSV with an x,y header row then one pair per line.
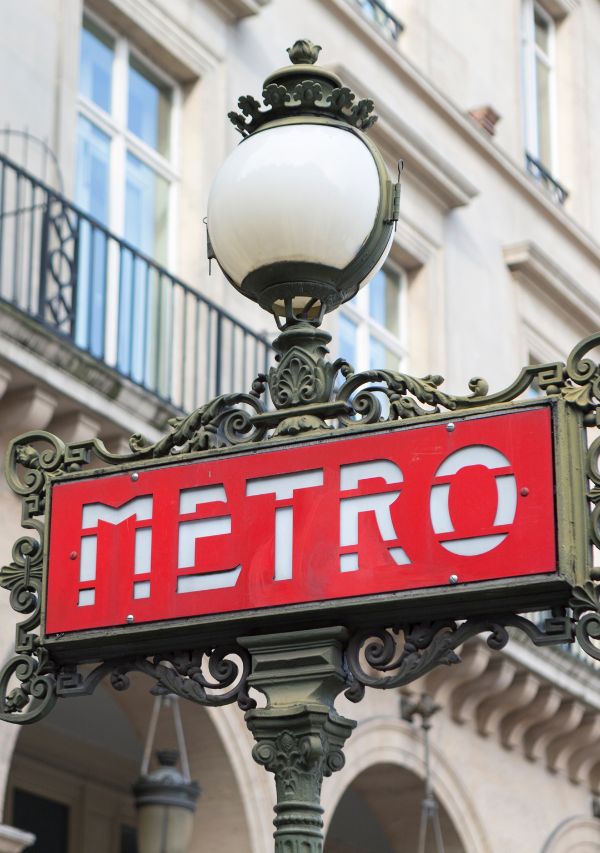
x,y
285,97
393,657
308,393
585,604
210,676
31,681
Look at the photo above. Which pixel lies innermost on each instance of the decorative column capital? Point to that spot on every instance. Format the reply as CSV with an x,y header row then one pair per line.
x,y
299,736
298,743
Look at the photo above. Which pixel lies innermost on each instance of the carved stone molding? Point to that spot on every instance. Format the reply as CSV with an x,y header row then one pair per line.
x,y
14,840
27,408
500,698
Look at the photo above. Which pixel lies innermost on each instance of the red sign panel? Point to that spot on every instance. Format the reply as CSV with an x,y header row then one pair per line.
x,y
381,512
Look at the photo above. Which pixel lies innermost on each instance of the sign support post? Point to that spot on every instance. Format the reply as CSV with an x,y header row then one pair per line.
x,y
299,736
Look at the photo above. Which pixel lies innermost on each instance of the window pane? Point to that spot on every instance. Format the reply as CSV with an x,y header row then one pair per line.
x,y
95,65
347,339
92,177
149,108
146,203
47,819
542,74
128,840
542,33
384,300
381,356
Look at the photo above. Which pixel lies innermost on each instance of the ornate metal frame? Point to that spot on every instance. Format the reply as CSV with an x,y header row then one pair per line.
x,y
305,389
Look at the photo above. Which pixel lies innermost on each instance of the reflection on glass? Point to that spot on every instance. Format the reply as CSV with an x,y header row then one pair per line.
x,y
347,339
142,312
91,193
542,74
95,65
381,356
146,196
91,181
149,107
384,300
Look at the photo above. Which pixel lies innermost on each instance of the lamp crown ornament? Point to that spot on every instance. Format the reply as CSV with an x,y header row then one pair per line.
x,y
298,88
304,51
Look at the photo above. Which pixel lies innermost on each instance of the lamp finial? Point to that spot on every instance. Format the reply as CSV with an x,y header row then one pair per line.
x,y
304,52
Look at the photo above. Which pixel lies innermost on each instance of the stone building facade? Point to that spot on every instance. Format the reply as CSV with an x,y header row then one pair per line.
x,y
112,125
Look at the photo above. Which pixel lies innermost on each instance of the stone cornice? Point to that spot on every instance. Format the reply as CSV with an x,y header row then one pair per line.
x,y
559,9
236,9
180,52
536,269
27,348
542,703
14,840
463,125
395,135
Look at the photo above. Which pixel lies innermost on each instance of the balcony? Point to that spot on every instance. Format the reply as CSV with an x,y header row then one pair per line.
x,y
377,11
102,297
543,177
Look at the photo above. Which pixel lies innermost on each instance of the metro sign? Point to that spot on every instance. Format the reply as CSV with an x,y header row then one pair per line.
x,y
409,508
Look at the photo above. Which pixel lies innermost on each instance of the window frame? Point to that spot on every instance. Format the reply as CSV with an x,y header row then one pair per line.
x,y
367,327
530,54
123,140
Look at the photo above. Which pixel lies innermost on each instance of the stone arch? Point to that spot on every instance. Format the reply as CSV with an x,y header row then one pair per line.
x,y
578,834
88,750
381,742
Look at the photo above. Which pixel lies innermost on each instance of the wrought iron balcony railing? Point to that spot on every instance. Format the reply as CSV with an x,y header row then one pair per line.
x,y
543,177
73,276
378,12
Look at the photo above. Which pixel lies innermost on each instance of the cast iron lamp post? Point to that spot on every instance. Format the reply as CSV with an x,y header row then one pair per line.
x,y
300,216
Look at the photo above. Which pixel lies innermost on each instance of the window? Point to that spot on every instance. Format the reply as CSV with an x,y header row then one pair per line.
x,y
125,180
128,840
371,325
47,819
125,170
539,100
538,61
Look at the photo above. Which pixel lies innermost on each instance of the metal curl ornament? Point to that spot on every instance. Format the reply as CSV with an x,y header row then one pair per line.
x,y
400,655
585,603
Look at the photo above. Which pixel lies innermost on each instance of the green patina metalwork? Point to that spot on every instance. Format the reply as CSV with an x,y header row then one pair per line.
x,y
307,403
385,642
299,736
304,94
300,90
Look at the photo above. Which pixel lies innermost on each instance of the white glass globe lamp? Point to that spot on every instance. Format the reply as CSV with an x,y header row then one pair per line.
x,y
302,212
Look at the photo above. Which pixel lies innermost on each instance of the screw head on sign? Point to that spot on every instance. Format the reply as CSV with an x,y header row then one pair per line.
x,y
450,427
130,618
73,555
453,578
135,476
524,491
